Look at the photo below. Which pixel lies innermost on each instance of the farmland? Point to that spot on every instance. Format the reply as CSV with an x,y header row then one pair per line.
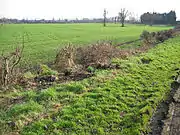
x,y
43,40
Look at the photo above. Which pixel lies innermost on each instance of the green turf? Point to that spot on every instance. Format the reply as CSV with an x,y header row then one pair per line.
x,y
112,102
43,40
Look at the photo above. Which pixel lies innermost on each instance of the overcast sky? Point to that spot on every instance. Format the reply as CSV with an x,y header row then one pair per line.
x,y
71,9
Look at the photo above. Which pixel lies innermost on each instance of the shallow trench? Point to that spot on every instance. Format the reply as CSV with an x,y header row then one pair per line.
x,y
166,119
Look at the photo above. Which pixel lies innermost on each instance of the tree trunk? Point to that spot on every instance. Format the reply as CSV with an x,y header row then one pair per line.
x,y
104,22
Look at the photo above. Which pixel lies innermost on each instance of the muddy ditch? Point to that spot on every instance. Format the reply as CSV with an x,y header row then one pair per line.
x,y
166,119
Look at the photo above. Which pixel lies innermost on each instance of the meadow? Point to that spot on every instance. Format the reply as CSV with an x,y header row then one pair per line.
x,y
43,40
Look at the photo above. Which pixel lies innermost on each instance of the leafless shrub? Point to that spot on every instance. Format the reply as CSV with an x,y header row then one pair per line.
x,y
8,71
65,59
164,35
148,38
97,55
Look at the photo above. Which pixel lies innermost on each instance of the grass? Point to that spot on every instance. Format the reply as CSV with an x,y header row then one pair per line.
x,y
112,102
43,40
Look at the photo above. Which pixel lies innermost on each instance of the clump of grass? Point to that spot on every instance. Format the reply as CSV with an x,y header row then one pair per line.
x,y
30,95
90,69
25,108
146,60
74,87
45,70
28,75
47,95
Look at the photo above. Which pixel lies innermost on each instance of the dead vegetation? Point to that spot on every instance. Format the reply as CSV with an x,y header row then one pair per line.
x,y
150,38
65,58
97,55
8,71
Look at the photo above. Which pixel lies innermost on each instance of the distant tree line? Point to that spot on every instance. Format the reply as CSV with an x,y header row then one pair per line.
x,y
146,18
157,18
84,20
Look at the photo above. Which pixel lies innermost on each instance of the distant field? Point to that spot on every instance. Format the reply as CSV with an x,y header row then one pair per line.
x,y
42,40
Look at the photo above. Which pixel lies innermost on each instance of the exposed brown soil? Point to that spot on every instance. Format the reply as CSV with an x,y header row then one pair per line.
x,y
166,119
172,123
6,102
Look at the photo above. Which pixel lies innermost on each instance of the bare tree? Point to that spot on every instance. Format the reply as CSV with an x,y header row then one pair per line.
x,y
105,13
122,16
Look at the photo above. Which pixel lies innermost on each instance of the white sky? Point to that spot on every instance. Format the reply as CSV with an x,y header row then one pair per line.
x,y
71,9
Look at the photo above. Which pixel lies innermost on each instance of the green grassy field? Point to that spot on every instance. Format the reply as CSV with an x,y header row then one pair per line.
x,y
112,102
43,40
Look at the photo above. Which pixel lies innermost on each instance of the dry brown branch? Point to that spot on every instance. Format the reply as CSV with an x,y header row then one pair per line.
x,y
8,63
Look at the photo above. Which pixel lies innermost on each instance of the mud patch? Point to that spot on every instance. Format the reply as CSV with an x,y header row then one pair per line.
x,y
6,102
75,77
